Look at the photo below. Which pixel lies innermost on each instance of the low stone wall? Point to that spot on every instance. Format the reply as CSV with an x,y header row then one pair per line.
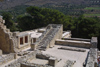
x,y
73,43
25,58
6,59
14,64
43,56
92,58
24,61
77,39
34,65
73,49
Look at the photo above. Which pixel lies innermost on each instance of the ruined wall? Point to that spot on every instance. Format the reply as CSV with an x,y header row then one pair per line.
x,y
6,59
6,41
14,64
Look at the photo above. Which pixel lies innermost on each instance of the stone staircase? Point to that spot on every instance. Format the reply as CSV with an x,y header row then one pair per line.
x,y
47,39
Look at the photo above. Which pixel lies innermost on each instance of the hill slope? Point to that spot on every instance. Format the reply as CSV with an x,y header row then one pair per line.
x,y
5,4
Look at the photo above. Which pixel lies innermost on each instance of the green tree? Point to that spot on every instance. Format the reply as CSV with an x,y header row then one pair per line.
x,y
8,21
41,17
88,27
25,23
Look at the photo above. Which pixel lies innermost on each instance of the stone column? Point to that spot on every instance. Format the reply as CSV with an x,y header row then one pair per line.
x,y
15,56
18,42
23,40
29,39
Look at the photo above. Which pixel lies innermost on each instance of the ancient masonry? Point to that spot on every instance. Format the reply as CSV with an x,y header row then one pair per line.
x,y
46,47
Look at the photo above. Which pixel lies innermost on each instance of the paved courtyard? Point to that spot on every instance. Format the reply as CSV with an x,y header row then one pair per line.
x,y
79,57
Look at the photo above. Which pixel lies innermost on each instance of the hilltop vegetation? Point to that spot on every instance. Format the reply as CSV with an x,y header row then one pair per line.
x,y
36,17
68,7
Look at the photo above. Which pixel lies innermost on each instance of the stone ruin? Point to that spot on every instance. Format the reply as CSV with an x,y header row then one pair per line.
x,y
18,49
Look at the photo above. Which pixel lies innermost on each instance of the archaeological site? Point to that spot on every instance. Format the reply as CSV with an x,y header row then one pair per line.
x,y
49,46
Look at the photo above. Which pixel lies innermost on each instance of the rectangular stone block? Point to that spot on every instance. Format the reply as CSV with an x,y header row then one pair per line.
x,y
52,61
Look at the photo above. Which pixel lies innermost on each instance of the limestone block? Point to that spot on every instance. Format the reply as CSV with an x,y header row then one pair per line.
x,y
15,56
52,61
33,46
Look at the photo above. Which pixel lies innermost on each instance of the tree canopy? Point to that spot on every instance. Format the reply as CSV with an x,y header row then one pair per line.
x,y
83,27
8,21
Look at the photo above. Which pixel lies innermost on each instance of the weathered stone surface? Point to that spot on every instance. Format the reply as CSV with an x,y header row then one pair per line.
x,y
91,58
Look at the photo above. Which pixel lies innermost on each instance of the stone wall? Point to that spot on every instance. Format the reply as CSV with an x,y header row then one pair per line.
x,y
77,39
74,43
14,64
6,59
6,41
91,60
40,55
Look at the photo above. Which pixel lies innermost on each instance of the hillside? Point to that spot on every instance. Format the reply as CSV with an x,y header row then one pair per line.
x,y
68,7
43,2
5,4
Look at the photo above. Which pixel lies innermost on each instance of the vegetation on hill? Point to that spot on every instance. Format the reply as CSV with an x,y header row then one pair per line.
x,y
40,17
